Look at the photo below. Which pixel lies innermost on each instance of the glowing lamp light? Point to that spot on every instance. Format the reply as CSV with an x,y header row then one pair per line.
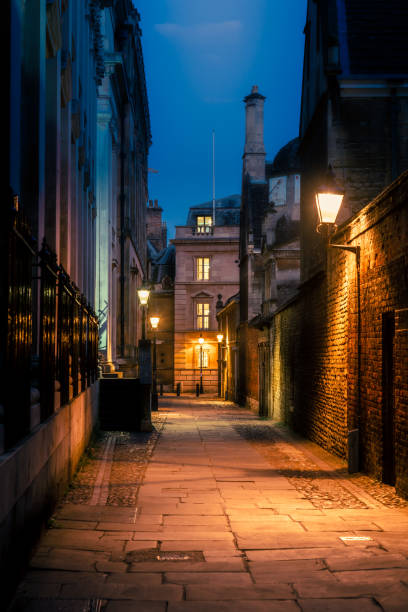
x,y
201,340
143,296
328,200
328,205
220,337
154,322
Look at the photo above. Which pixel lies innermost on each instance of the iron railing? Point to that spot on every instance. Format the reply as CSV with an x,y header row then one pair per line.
x,y
47,336
16,305
48,349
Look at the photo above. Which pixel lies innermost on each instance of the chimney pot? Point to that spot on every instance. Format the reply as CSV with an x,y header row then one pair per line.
x,y
156,203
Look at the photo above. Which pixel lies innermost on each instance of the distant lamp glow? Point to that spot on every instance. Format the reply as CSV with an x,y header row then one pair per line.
x,y
328,201
220,337
143,294
201,340
154,322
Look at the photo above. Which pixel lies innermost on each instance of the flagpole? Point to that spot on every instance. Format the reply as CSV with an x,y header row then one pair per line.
x,y
213,174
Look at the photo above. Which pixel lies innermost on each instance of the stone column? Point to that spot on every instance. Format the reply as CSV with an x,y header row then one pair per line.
x,y
53,152
103,292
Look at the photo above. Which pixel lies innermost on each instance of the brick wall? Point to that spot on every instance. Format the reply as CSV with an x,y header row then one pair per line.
x,y
316,336
248,366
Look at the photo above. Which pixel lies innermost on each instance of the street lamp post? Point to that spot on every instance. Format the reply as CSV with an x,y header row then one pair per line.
x,y
154,322
219,339
145,363
201,342
328,201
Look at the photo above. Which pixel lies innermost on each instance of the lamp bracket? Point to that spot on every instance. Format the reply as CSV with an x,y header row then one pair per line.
x,y
350,249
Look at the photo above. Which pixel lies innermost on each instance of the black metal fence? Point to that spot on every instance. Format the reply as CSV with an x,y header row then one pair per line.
x,y
49,334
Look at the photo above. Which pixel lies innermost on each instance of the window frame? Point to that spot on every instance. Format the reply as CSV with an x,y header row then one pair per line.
x,y
206,358
203,315
197,268
206,226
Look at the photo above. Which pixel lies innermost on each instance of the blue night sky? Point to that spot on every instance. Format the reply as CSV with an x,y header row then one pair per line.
x,y
201,58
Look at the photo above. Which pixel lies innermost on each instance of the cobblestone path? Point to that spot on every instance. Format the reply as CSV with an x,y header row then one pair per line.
x,y
218,510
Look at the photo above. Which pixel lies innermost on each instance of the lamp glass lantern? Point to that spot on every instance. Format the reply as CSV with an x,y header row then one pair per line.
x,y
328,200
328,205
220,337
154,322
143,294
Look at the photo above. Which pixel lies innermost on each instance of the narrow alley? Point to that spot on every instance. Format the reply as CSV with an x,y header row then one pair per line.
x,y
218,510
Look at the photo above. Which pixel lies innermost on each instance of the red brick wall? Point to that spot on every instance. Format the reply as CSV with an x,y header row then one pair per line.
x,y
319,334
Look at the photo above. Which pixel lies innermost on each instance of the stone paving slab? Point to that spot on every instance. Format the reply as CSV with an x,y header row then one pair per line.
x,y
142,606
360,604
221,523
215,579
235,606
162,592
220,593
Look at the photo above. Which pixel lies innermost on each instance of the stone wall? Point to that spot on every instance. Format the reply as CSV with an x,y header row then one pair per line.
x,y
317,337
35,474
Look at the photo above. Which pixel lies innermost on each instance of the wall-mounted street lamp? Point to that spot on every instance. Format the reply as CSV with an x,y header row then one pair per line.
x,y
143,294
154,322
220,338
201,342
328,201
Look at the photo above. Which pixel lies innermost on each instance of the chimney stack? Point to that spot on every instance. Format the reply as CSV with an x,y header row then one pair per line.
x,y
254,151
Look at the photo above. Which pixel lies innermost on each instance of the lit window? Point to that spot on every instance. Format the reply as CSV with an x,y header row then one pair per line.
x,y
205,355
202,315
203,268
204,224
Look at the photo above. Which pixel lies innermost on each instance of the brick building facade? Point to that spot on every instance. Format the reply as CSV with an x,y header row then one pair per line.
x,y
339,348
326,379
206,276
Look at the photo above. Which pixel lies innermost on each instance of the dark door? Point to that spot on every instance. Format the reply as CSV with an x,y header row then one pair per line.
x,y
263,354
388,417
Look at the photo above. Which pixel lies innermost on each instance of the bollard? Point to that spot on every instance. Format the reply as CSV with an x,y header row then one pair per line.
x,y
197,389
161,388
178,388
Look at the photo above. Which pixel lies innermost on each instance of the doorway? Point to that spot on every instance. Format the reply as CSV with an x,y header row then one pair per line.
x,y
264,381
388,408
